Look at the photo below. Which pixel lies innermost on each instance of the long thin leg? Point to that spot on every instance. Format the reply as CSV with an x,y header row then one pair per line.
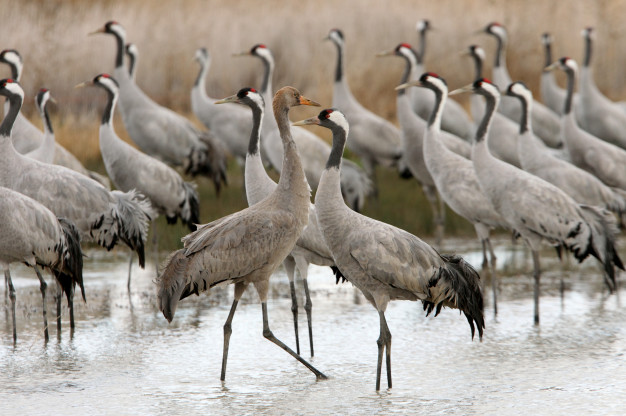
x,y
441,218
290,268
239,289
537,276
130,268
494,278
303,268
267,333
42,287
11,292
431,195
58,298
72,325
384,342
155,245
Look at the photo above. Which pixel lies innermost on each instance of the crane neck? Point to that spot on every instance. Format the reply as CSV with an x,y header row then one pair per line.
x,y
266,88
409,71
119,56
132,67
47,125
571,80
588,51
16,70
525,122
255,135
500,59
204,69
422,47
434,122
15,104
107,115
491,103
336,153
292,173
339,70
548,54
478,66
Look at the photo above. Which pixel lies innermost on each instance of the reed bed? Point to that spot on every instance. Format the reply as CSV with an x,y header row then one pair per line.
x,y
52,36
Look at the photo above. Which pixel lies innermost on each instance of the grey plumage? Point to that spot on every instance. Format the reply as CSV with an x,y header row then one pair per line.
x,y
101,216
26,137
45,151
32,234
230,124
159,131
247,246
536,209
546,121
385,262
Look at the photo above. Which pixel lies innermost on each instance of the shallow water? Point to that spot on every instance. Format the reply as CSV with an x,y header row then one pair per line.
x,y
124,358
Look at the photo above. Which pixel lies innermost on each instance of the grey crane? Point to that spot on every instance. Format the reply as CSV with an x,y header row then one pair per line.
x,y
130,169
373,139
595,112
413,128
604,160
538,210
552,95
546,121
100,215
133,55
231,124
455,119
159,131
384,262
310,247
26,137
355,184
32,234
581,185
45,151
456,179
247,246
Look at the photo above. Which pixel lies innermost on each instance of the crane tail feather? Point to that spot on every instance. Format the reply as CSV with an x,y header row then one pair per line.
x,y
69,272
171,283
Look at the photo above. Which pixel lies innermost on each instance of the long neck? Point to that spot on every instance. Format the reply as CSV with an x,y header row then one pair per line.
x,y
409,71
500,52
107,116
132,66
483,128
204,68
15,103
119,56
422,47
524,124
434,122
266,88
16,71
292,171
548,55
336,152
478,66
339,68
47,126
255,136
571,80
587,60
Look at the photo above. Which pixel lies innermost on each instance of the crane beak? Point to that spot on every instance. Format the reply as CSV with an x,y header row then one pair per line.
x,y
244,53
52,100
306,101
308,121
467,88
231,99
553,66
84,84
95,32
416,83
386,53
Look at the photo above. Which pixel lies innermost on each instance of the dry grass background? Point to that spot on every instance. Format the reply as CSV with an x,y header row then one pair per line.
x,y
52,37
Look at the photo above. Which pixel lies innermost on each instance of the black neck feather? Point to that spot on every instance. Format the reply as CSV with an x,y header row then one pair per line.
x,y
336,153
15,103
481,132
339,68
107,116
253,144
587,51
570,90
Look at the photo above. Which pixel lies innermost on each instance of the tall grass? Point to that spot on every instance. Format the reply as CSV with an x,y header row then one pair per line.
x,y
52,37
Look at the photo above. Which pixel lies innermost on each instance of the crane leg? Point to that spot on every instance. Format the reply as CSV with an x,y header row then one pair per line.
x,y
303,267
58,297
130,268
537,276
267,333
494,278
431,196
384,343
11,293
239,289
290,267
72,324
42,287
155,245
